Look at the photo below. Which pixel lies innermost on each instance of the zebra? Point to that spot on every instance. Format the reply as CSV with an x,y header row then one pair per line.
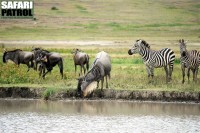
x,y
154,59
190,60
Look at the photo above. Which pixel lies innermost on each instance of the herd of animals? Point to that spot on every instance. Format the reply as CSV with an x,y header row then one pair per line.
x,y
44,61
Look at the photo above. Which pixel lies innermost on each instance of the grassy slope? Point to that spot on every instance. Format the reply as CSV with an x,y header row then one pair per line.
x,y
107,20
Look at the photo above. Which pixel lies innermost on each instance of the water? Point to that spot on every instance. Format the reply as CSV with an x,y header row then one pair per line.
x,y
22,116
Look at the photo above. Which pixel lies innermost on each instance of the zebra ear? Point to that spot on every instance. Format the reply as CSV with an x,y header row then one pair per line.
x,y
180,41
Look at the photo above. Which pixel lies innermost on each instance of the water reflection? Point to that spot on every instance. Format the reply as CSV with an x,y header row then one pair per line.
x,y
99,107
22,116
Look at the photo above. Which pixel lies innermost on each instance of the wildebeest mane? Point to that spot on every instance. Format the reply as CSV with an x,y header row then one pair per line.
x,y
40,49
15,50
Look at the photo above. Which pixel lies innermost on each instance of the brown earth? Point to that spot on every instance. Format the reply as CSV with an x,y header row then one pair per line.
x,y
38,93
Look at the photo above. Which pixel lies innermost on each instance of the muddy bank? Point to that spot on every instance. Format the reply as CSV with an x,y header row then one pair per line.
x,y
40,93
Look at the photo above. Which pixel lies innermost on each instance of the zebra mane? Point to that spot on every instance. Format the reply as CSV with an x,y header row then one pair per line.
x,y
145,43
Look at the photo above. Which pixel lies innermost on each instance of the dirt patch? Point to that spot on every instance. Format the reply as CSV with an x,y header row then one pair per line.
x,y
20,92
167,96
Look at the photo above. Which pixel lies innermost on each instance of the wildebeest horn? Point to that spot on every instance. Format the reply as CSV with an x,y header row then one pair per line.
x,y
4,50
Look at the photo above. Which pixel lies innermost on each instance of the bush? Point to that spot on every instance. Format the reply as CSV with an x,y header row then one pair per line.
x,y
54,8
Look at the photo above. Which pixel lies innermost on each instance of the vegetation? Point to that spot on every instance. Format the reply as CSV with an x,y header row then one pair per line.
x,y
107,20
128,73
161,23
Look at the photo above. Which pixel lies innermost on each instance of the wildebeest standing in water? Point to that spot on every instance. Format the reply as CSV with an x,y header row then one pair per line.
x,y
101,68
80,58
19,57
50,60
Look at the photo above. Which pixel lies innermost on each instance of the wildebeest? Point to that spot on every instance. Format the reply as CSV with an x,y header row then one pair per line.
x,y
154,59
19,57
189,60
101,68
37,52
80,58
50,60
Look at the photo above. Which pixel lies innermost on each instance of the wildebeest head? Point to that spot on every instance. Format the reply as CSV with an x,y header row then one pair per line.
x,y
75,51
42,56
183,49
95,74
137,45
37,52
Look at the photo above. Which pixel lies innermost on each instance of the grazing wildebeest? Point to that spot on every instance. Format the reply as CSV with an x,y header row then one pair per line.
x,y
101,68
80,58
19,57
50,60
189,60
154,59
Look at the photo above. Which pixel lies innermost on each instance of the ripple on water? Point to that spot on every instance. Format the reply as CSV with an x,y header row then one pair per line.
x,y
49,122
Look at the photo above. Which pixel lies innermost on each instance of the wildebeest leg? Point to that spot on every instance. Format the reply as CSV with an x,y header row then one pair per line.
x,y
45,73
183,73
81,69
84,69
188,74
60,65
106,82
97,84
28,66
102,80
75,68
166,71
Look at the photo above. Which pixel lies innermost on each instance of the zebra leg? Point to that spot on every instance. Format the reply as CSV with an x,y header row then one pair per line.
x,y
152,72
188,74
194,71
183,73
170,73
148,72
167,73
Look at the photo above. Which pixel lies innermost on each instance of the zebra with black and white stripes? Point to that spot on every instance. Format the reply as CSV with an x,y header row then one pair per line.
x,y
154,59
189,60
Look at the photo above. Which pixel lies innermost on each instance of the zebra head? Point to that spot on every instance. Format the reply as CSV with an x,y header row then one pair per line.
x,y
137,46
183,50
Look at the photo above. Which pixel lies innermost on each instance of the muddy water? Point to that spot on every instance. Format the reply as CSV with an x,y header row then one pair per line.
x,y
97,116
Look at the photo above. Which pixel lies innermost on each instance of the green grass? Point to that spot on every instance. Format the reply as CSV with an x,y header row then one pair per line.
x,y
128,73
107,20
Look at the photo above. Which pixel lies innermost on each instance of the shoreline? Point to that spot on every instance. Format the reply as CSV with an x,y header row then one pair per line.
x,y
106,94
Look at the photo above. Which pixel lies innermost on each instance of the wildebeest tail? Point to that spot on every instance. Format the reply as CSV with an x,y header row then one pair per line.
x,y
60,64
87,62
